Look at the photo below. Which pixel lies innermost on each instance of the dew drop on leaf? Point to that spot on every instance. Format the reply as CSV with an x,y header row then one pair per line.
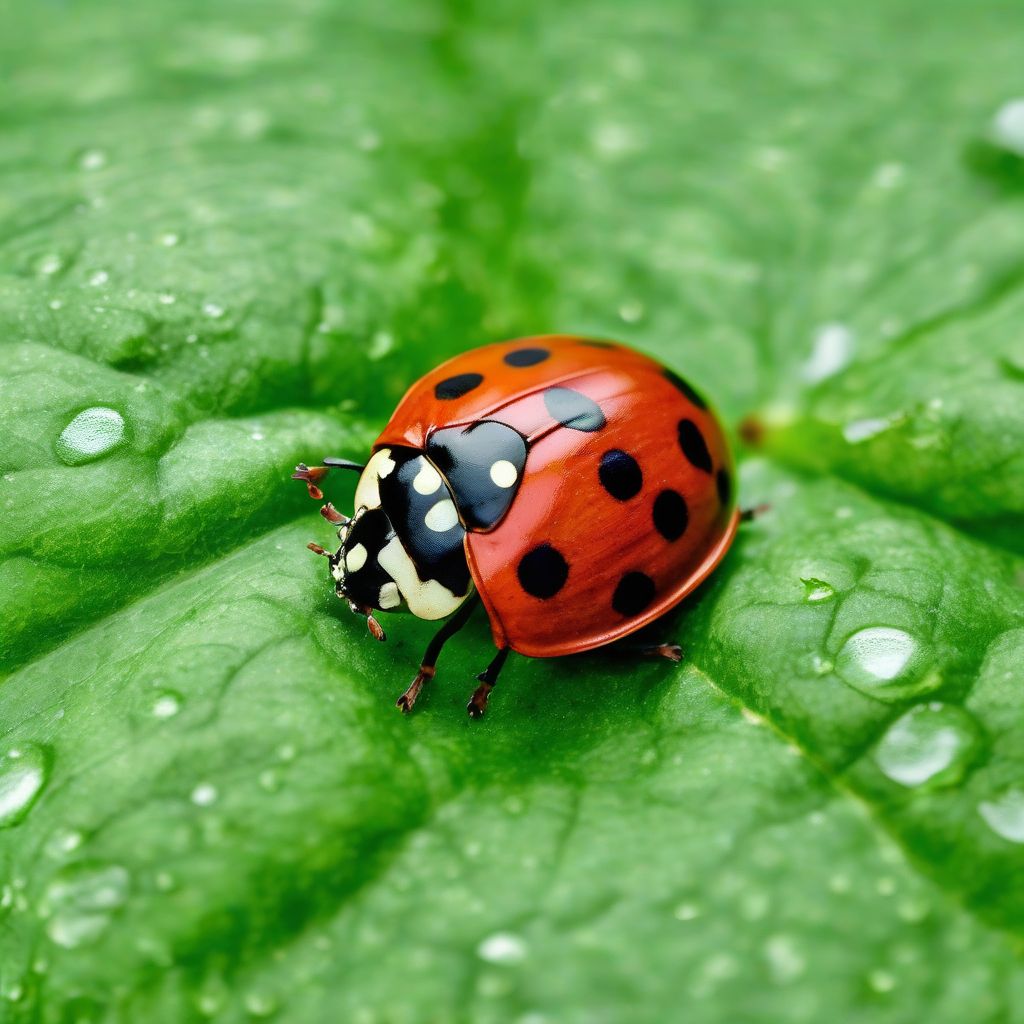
x,y
1008,126
23,774
63,842
832,350
931,744
1005,814
883,662
90,435
502,948
817,590
259,1004
785,961
167,704
881,981
204,795
80,901
92,160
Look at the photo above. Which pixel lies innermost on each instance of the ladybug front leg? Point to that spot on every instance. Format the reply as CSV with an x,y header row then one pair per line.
x,y
478,702
672,652
312,475
430,655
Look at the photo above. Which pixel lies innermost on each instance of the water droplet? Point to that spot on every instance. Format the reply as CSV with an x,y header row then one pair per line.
x,y
381,344
770,158
686,912
889,175
12,991
864,430
1008,126
817,590
55,304
257,435
211,309
63,842
50,264
204,794
613,140
286,752
269,780
92,160
81,900
840,883
100,277
1005,814
169,238
260,1004
931,744
785,961
502,948
884,663
881,981
164,881
832,350
91,434
166,298
885,886
167,704
23,774
631,312
368,141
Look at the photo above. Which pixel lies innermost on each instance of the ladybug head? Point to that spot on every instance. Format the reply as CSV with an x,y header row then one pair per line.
x,y
357,573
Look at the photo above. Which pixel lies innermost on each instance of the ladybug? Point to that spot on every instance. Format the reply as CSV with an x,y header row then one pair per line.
x,y
575,488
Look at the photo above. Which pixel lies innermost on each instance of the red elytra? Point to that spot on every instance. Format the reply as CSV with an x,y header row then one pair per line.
x,y
625,502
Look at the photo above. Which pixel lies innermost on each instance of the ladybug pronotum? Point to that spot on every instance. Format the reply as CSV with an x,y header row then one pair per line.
x,y
577,489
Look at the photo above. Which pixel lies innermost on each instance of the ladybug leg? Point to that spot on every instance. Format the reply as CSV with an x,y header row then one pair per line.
x,y
312,475
478,702
748,515
673,652
430,655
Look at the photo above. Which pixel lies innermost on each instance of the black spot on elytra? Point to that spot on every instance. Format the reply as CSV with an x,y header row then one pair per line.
x,y
457,386
633,594
543,571
526,356
724,484
620,475
671,515
695,448
573,409
682,386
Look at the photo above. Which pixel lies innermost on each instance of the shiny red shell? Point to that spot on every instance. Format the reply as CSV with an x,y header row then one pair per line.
x,y
652,416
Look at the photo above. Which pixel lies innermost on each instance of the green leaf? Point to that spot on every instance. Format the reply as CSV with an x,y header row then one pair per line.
x,y
231,237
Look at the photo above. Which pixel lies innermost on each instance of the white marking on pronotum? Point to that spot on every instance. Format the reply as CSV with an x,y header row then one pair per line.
x,y
390,597
442,516
427,480
368,488
355,558
503,473
427,599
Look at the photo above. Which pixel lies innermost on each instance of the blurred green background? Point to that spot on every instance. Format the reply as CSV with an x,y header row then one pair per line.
x,y
231,234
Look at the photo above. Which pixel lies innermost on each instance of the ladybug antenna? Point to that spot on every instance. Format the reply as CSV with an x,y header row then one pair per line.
x,y
333,463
